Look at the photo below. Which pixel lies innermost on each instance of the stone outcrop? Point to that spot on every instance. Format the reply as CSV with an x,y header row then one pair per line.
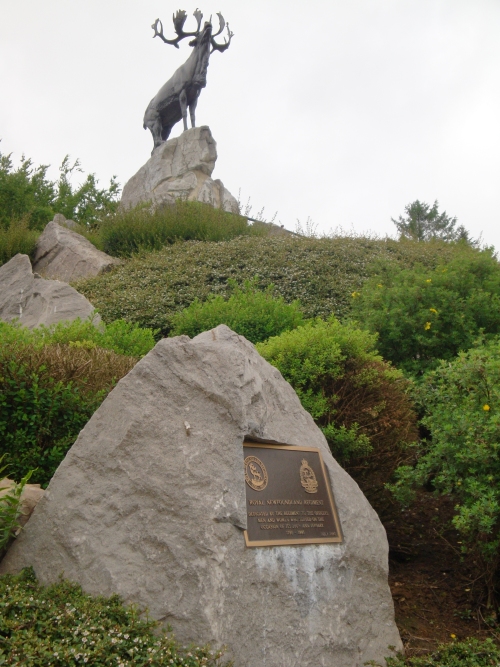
x,y
150,503
180,168
26,296
62,254
61,220
30,496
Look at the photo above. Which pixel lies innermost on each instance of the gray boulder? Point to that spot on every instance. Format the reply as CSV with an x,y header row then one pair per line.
x,y
62,254
61,220
150,503
180,168
26,296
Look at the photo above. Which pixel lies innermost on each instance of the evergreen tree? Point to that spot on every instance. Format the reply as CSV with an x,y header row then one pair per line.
x,y
423,222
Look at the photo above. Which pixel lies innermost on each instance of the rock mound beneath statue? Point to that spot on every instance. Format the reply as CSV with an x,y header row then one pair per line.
x,y
150,503
180,168
32,300
62,254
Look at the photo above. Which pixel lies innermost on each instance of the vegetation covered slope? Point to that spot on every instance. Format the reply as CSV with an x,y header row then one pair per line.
x,y
321,273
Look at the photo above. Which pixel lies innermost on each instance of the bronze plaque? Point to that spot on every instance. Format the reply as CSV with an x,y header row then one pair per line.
x,y
289,497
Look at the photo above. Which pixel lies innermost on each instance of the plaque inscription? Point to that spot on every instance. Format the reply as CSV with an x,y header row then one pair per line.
x,y
289,497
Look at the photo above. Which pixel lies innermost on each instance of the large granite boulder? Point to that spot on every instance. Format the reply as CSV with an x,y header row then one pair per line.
x,y
150,503
62,254
26,296
180,168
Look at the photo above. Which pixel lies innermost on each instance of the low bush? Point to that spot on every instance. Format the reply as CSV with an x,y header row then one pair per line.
x,y
360,402
422,315
251,313
47,395
130,231
468,653
461,403
61,626
17,238
320,273
119,336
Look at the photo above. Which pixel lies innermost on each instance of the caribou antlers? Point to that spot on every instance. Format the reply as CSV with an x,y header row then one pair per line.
x,y
222,25
179,20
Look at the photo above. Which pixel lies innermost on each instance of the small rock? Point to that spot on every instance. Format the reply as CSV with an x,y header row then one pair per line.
x,y
34,300
62,254
30,496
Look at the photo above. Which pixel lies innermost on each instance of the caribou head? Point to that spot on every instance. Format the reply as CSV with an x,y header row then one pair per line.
x,y
181,91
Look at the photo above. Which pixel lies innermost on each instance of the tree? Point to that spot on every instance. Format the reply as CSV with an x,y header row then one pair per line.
x,y
26,194
423,222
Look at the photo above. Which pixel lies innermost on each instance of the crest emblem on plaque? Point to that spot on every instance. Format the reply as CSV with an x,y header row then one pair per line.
x,y
308,478
255,473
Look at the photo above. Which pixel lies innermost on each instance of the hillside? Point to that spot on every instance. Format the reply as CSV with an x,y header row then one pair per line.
x,y
321,273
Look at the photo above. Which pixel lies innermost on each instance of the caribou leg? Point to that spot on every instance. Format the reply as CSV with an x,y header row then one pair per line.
x,y
183,104
152,121
192,109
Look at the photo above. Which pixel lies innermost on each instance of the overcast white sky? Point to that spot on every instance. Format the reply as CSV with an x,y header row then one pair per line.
x,y
339,110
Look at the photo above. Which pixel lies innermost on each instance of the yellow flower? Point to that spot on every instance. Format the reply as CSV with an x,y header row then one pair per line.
x,y
486,407
427,326
355,294
379,285
453,636
428,280
433,310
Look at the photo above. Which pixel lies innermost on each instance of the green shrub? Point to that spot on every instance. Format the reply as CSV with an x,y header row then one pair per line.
x,y
422,315
120,336
461,401
127,232
320,273
17,238
468,653
251,313
61,626
47,395
10,508
358,400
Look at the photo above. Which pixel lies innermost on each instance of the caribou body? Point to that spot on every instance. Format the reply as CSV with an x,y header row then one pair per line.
x,y
182,90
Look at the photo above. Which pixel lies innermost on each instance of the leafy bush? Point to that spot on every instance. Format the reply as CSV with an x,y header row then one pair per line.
x,y
320,273
129,231
468,653
358,400
10,508
251,313
26,194
47,395
17,238
422,315
120,336
59,625
461,401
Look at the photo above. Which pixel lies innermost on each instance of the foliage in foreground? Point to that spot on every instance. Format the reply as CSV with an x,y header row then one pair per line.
x,y
61,626
468,653
119,336
461,401
251,313
10,504
320,273
130,231
422,315
359,401
47,395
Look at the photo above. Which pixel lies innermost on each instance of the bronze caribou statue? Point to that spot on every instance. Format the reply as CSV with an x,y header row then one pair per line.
x,y
182,90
